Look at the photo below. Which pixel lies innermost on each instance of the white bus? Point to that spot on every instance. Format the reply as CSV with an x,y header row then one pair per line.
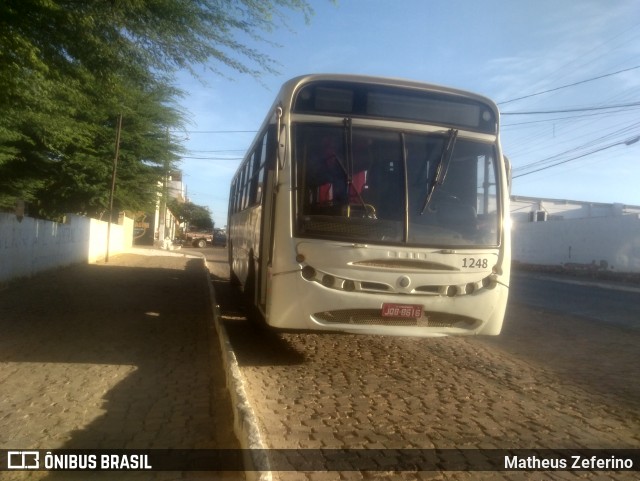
x,y
373,205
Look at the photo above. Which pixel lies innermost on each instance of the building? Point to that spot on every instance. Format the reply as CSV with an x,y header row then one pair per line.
x,y
576,235
155,227
166,221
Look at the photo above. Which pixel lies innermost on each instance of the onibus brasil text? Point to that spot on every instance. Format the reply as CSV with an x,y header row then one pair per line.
x,y
54,461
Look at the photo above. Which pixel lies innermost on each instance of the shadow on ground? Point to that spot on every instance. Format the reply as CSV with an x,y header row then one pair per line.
x,y
118,355
254,344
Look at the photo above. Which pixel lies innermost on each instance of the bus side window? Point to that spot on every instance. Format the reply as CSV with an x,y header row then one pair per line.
x,y
260,185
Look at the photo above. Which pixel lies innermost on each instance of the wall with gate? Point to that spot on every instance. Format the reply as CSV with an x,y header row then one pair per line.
x,y
29,246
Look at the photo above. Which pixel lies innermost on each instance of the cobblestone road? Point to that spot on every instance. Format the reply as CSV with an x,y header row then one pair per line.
x,y
548,382
113,356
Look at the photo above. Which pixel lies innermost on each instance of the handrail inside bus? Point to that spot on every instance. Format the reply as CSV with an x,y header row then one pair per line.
x,y
281,133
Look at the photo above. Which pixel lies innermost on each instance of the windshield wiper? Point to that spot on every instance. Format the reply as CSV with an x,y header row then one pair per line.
x,y
441,169
348,171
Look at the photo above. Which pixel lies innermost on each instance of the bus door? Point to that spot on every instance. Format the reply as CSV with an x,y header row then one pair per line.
x,y
267,221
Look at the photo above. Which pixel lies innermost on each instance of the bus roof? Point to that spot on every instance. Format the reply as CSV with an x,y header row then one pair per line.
x,y
391,97
295,82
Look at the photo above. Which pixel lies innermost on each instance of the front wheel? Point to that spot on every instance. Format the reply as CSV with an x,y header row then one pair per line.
x,y
201,243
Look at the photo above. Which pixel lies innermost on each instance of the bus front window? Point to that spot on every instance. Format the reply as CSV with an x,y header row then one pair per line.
x,y
369,185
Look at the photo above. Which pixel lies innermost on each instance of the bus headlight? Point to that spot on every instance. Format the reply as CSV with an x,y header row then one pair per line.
x,y
489,282
308,272
328,280
349,286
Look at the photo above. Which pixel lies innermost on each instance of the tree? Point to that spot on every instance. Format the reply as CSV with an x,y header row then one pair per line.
x,y
197,217
69,68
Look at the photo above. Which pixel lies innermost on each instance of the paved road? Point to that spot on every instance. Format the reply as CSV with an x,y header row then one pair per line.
x,y
550,381
112,356
608,302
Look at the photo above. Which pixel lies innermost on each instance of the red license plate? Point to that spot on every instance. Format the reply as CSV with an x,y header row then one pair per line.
x,y
408,311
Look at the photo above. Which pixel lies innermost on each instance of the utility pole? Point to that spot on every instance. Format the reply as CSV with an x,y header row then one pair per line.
x,y
162,210
113,185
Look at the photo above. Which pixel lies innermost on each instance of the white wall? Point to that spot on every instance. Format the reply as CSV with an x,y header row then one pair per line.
x,y
612,241
120,238
34,245
557,209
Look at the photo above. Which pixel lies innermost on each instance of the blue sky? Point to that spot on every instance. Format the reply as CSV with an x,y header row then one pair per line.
x,y
499,48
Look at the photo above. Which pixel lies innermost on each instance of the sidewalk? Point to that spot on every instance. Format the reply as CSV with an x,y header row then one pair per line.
x,y
110,356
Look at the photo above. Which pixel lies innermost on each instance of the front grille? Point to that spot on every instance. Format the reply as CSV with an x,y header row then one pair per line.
x,y
374,286
405,264
429,289
373,317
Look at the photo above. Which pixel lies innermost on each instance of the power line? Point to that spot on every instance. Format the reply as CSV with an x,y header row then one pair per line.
x,y
212,158
571,117
585,58
625,142
607,135
612,136
215,131
216,151
570,85
583,109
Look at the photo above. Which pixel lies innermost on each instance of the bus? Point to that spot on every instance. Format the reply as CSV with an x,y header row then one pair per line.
x,y
376,206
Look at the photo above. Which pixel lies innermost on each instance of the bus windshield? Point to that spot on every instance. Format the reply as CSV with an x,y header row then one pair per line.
x,y
360,184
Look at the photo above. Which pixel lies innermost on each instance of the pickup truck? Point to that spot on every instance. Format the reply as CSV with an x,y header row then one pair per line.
x,y
200,239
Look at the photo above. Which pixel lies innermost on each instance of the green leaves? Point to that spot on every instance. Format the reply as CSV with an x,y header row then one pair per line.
x,y
68,69
196,216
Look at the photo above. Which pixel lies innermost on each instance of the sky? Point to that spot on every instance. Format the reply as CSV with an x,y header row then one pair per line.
x,y
502,49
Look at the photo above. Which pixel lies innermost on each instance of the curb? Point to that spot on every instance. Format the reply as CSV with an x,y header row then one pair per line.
x,y
157,252
245,423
